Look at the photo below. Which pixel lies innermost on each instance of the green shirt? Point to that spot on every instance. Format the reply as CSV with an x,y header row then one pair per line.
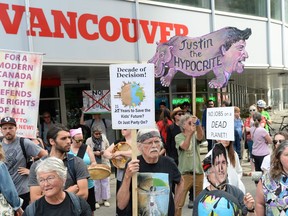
x,y
185,157
267,117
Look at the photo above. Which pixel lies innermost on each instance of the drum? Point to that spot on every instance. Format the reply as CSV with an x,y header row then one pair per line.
x,y
120,163
99,171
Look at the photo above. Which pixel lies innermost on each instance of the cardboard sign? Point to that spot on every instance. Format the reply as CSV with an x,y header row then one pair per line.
x,y
96,101
20,82
220,123
222,52
132,96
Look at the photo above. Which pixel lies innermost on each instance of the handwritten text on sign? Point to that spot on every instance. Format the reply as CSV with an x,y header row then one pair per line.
x,y
220,123
20,89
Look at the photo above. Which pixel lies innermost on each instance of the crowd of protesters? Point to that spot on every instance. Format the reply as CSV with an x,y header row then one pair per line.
x,y
58,181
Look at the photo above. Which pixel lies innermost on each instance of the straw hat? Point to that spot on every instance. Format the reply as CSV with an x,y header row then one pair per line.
x,y
120,163
175,111
99,171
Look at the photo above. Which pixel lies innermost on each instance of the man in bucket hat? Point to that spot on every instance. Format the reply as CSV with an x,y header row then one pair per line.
x,y
149,144
15,157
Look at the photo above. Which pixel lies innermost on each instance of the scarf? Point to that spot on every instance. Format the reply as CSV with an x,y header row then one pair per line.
x,y
97,147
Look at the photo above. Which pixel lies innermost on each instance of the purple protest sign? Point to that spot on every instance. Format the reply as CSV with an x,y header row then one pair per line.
x,y
222,51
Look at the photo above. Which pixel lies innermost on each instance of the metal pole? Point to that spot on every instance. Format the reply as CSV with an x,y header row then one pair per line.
x,y
30,39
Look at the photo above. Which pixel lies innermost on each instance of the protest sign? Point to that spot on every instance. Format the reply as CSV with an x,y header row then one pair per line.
x,y
21,75
220,123
217,51
96,101
132,96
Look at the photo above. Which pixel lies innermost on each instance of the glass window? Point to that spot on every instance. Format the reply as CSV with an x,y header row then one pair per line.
x,y
248,7
74,101
195,3
181,85
49,92
179,99
159,88
275,9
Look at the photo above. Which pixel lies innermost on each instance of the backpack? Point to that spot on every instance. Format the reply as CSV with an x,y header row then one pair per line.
x,y
87,129
104,122
30,210
71,167
28,161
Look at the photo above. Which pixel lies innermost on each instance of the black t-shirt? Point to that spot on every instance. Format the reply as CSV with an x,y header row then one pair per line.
x,y
170,145
218,202
45,209
164,165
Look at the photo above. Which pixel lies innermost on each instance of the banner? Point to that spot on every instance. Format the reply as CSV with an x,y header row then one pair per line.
x,y
20,82
96,101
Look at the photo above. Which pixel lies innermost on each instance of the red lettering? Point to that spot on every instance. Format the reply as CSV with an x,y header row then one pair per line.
x,y
125,29
60,20
163,31
89,26
150,37
11,27
38,20
82,26
115,28
180,30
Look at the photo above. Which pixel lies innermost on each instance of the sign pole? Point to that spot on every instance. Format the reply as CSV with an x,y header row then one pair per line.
x,y
134,177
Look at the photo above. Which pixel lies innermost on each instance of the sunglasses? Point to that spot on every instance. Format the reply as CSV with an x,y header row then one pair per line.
x,y
252,110
180,114
78,141
277,141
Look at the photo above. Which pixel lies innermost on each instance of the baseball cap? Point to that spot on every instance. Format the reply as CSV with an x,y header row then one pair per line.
x,y
7,120
206,164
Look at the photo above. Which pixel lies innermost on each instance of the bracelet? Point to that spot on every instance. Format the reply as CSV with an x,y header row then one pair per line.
x,y
251,210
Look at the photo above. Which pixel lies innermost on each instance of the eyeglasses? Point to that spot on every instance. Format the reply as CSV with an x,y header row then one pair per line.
x,y
190,123
277,141
97,134
49,180
157,142
252,110
180,114
78,141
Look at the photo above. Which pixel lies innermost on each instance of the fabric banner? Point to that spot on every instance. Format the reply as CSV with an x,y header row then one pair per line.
x,y
21,75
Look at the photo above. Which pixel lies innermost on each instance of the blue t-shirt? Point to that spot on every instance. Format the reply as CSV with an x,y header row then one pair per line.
x,y
238,125
87,161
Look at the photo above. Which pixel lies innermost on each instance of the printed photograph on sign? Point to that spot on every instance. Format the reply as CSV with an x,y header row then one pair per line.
x,y
132,96
21,75
153,194
96,101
